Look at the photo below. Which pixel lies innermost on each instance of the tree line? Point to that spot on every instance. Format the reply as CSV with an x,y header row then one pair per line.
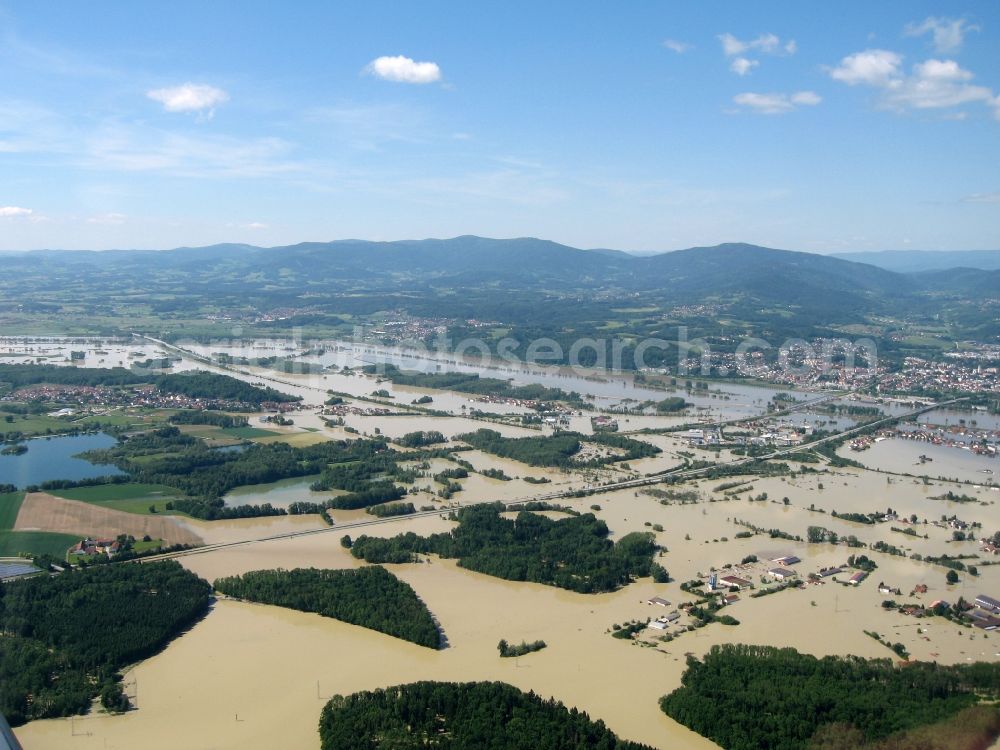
x,y
464,382
371,597
195,384
749,697
65,637
572,553
167,456
558,450
490,715
214,418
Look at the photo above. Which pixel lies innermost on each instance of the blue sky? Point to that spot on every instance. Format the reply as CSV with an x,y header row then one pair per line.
x,y
643,126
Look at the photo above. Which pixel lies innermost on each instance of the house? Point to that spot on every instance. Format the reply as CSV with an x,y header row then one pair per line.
x,y
827,572
658,601
786,560
857,578
656,625
781,574
920,588
730,581
671,617
90,546
730,599
988,603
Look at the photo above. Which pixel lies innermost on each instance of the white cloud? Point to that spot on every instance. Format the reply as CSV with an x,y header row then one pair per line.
x,y
256,225
777,104
982,198
935,84
740,50
679,47
14,212
768,44
874,67
189,97
932,84
948,33
806,98
404,70
742,66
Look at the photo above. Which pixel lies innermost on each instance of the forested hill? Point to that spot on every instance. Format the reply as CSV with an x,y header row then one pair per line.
x,y
532,287
528,262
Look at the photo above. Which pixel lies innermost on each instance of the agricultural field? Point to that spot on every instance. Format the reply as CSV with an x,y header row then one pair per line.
x,y
132,497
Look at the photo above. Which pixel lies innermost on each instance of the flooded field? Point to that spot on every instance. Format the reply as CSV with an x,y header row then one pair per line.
x,y
939,461
279,494
266,663
253,676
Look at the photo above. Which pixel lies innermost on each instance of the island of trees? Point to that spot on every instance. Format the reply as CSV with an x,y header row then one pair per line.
x,y
558,450
464,382
572,553
507,650
460,715
749,697
65,637
371,597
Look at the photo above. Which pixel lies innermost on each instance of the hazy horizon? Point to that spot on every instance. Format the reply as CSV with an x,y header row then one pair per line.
x,y
628,251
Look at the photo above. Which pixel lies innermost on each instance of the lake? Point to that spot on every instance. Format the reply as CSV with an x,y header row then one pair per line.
x,y
54,458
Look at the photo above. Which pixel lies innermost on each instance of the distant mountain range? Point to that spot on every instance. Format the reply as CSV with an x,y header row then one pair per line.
x,y
528,262
499,279
910,261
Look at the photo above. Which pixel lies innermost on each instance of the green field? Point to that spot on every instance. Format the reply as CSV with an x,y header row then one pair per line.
x,y
247,433
10,505
33,424
210,432
40,424
13,543
131,497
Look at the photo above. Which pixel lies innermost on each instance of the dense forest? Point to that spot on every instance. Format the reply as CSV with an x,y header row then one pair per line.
x,y
371,597
460,716
210,385
421,438
464,382
213,418
558,450
195,384
750,697
66,636
167,456
572,553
